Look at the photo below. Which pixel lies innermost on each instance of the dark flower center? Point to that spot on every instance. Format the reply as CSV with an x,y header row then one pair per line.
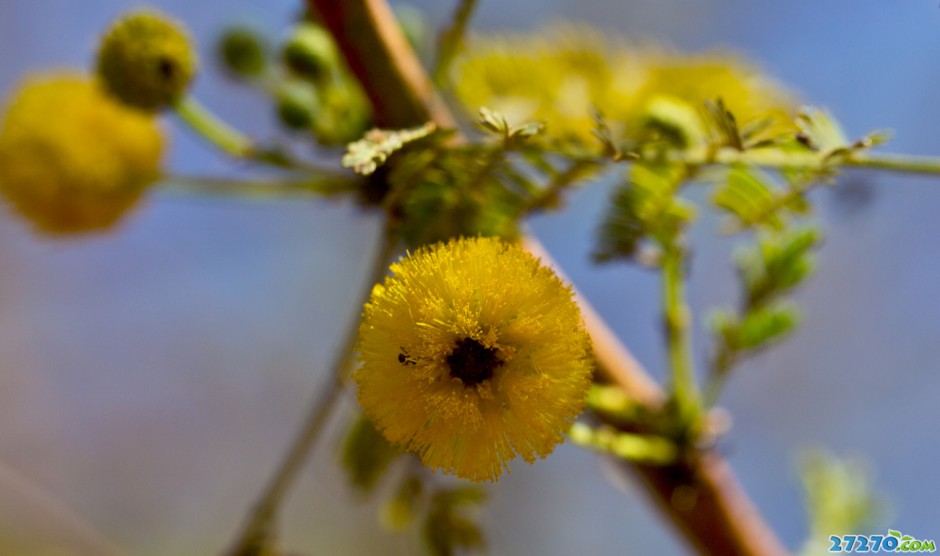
x,y
167,68
472,362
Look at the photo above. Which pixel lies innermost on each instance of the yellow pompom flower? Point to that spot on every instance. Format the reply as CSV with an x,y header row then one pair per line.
x,y
473,353
558,75
146,60
71,158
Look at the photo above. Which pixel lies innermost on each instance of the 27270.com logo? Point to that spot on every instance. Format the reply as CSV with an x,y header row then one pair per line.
x,y
894,541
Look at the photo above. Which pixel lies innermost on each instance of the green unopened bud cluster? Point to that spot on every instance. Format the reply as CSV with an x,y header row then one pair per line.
x,y
310,86
318,94
146,60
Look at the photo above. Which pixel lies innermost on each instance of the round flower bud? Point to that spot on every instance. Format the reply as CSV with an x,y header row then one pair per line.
x,y
72,159
343,113
310,52
243,52
146,60
296,104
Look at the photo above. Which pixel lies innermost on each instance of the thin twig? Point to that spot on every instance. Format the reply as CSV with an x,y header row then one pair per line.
x,y
260,188
67,529
258,532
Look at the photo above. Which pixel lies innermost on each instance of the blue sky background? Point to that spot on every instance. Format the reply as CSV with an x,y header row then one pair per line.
x,y
150,379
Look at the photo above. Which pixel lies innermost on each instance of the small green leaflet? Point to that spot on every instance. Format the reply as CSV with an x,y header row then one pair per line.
x,y
370,152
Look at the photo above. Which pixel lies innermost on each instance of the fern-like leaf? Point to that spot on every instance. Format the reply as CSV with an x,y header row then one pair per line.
x,y
777,264
755,200
366,455
644,209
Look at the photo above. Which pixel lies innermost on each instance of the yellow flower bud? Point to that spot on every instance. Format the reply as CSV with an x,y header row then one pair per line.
x,y
146,60
71,158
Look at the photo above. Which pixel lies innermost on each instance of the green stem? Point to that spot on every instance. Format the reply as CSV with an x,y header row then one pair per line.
x,y
213,129
771,158
258,532
720,369
257,535
776,159
897,162
232,142
676,320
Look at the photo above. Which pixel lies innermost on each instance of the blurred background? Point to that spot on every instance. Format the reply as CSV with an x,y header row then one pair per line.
x,y
150,379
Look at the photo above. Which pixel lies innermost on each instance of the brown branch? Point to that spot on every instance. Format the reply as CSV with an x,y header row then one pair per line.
x,y
372,41
614,361
700,495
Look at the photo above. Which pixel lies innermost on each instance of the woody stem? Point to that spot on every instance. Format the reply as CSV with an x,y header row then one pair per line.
x,y
714,514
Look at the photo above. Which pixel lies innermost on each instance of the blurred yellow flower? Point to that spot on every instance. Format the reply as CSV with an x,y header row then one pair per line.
x,y
473,353
71,158
558,75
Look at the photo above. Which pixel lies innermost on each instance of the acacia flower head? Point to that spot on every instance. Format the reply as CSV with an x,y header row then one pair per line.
x,y
71,158
473,353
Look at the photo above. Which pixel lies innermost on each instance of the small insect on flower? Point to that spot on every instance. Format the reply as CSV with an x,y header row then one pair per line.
x,y
473,353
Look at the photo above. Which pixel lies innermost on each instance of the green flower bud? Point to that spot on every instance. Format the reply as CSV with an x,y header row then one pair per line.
x,y
146,60
296,105
343,115
243,52
311,52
